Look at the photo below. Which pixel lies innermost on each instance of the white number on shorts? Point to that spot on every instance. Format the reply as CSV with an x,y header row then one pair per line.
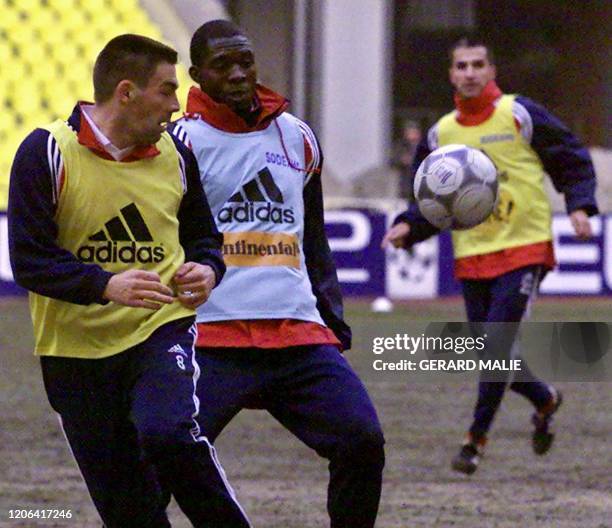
x,y
180,361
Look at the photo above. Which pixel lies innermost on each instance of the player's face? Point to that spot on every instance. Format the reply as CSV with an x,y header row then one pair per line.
x,y
228,74
151,108
470,71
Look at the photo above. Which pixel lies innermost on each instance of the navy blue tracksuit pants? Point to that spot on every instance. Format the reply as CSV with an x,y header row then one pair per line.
x,y
314,393
503,299
130,422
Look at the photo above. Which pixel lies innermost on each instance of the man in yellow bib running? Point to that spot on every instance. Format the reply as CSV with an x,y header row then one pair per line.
x,y
501,262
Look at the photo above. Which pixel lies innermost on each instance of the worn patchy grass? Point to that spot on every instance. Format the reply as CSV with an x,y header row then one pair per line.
x,y
282,484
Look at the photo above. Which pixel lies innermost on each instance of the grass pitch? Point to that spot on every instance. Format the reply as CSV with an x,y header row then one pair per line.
x,y
282,484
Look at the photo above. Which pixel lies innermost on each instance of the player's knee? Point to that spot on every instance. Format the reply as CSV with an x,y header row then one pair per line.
x,y
372,448
365,447
163,432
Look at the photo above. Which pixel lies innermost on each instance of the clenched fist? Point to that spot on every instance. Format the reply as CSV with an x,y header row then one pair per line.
x,y
193,283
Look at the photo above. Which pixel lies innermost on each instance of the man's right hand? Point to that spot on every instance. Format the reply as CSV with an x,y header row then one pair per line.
x,y
139,289
396,235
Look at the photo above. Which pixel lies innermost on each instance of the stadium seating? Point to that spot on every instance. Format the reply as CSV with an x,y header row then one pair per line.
x,y
47,50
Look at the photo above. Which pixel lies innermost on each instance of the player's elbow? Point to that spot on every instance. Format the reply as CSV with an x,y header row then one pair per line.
x,y
22,273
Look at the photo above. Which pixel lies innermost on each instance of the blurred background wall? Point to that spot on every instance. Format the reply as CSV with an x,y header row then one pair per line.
x,y
356,70
370,76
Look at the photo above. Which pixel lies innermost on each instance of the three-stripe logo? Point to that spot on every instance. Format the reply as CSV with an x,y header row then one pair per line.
x,y
124,238
254,190
117,229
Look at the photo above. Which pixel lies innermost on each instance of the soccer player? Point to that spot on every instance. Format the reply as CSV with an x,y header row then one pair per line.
x,y
501,262
270,335
110,231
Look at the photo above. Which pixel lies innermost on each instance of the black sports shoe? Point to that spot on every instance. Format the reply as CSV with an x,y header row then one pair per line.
x,y
542,438
467,459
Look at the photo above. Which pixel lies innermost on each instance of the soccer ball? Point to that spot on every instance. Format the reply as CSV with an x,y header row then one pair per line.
x,y
381,305
456,187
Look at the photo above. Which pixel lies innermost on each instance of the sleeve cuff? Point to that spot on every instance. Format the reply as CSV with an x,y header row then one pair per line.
x,y
219,271
99,285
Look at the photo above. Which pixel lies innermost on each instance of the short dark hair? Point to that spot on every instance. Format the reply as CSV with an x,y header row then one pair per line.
x,y
128,57
214,29
471,41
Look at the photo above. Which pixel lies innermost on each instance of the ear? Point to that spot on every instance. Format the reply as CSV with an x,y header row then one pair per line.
x,y
125,91
194,73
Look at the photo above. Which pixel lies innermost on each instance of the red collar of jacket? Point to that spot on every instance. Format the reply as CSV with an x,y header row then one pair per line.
x,y
87,138
221,116
476,110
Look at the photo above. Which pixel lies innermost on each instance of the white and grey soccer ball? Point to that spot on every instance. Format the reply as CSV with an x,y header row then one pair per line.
x,y
382,305
456,187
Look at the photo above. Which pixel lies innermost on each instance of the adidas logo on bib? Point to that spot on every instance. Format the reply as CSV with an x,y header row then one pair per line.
x,y
245,204
118,241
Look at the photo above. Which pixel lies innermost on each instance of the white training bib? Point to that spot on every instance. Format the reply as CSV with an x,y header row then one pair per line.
x,y
254,183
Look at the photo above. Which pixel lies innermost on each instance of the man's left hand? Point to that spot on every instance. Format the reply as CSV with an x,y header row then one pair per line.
x,y
193,283
581,224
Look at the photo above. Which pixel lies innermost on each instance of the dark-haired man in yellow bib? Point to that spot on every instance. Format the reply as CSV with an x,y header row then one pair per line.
x,y
111,233
501,262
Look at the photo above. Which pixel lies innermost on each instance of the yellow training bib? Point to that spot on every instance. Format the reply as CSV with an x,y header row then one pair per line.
x,y
119,216
523,213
